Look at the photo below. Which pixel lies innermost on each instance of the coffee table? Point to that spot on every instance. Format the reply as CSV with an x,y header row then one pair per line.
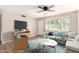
x,y
50,43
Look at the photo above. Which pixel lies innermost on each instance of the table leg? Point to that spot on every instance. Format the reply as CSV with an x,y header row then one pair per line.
x,y
55,49
43,47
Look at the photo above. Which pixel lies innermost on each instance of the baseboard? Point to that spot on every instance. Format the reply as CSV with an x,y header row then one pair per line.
x,y
4,42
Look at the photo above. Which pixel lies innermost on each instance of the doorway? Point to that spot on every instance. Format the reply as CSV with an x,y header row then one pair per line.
x,y
0,29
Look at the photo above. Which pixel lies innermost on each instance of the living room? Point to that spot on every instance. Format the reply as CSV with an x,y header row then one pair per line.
x,y
41,24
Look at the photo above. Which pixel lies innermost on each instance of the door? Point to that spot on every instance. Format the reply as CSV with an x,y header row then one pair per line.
x,y
0,29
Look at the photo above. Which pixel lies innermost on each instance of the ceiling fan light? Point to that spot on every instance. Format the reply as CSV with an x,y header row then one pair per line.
x,y
23,15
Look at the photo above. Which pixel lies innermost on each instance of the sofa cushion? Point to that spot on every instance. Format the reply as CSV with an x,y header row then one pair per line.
x,y
73,45
58,34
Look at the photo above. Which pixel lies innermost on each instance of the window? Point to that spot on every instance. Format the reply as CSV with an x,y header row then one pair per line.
x,y
58,24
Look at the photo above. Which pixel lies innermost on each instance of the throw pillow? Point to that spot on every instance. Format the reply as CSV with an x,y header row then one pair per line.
x,y
18,36
58,34
50,33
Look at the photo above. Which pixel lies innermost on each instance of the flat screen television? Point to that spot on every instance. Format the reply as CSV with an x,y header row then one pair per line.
x,y
20,25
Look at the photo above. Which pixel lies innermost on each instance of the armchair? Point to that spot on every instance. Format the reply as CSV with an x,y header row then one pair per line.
x,y
72,45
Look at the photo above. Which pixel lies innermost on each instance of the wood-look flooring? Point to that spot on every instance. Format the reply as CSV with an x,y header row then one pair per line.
x,y
8,48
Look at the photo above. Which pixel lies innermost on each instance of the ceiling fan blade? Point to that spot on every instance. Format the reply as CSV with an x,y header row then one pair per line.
x,y
51,6
40,11
40,6
51,10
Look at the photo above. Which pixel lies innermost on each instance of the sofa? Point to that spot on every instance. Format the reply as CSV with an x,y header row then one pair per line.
x,y
60,37
72,45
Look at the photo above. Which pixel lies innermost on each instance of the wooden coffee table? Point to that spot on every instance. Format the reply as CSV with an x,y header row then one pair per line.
x,y
50,43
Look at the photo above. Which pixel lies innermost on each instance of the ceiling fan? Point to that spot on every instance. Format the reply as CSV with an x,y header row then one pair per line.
x,y
45,8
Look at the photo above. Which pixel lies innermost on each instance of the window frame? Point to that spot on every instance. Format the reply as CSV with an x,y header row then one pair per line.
x,y
57,19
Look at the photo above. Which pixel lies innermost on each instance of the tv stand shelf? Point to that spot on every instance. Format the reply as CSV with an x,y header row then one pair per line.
x,y
27,33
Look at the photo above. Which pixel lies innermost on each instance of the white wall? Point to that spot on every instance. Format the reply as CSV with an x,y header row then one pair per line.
x,y
32,26
78,21
8,18
40,27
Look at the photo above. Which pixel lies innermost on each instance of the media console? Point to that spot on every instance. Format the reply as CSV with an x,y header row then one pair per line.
x,y
21,43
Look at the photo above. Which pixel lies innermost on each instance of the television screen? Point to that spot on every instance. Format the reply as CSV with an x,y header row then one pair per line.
x,y
20,25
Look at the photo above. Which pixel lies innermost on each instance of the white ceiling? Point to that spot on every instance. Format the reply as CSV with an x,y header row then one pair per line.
x,y
31,10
